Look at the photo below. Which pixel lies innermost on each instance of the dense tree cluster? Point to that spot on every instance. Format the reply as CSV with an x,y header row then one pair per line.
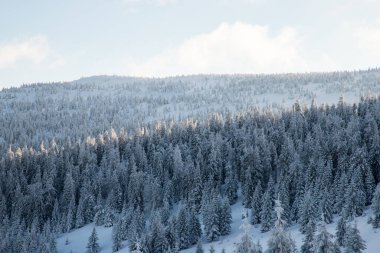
x,y
89,106
155,187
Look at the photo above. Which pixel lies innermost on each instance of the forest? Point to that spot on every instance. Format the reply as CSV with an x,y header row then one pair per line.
x,y
166,186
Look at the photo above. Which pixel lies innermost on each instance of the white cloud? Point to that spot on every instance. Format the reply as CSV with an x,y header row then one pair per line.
x,y
233,48
34,50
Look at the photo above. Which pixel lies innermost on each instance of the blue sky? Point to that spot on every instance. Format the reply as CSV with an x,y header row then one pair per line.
x,y
55,40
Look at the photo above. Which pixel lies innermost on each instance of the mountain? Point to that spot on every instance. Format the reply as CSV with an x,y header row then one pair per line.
x,y
162,165
86,107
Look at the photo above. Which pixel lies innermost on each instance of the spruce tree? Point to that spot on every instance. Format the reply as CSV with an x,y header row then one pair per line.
x,y
376,208
354,242
324,241
194,226
93,245
231,186
211,218
267,212
246,245
158,241
199,248
341,230
256,205
309,232
52,245
326,205
307,213
280,240
225,217
182,229
117,236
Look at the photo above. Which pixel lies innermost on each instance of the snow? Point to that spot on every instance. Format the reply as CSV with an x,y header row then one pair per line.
x,y
79,237
176,98
96,104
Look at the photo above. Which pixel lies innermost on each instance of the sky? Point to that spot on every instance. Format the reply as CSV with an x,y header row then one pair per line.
x,y
55,40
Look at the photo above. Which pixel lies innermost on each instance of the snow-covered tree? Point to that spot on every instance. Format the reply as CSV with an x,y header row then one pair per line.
x,y
353,241
307,213
324,241
256,205
267,212
280,240
309,232
182,229
199,248
246,245
376,208
341,231
117,236
225,217
194,226
93,245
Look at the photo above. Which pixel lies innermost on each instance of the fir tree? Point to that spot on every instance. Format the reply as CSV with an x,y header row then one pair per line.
x,y
225,218
307,246
323,242
79,219
138,247
256,205
280,240
246,245
354,242
182,229
266,212
117,236
326,205
341,230
231,186
194,226
158,240
211,218
109,217
93,245
52,245
307,213
199,248
376,208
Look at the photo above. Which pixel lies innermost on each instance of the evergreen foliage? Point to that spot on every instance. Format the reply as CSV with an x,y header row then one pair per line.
x,y
93,245
280,240
320,161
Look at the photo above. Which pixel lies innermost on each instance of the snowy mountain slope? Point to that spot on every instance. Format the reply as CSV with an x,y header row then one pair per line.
x,y
78,238
88,106
80,177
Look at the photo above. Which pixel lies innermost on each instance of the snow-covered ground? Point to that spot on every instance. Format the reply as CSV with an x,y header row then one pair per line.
x,y
135,102
77,239
92,105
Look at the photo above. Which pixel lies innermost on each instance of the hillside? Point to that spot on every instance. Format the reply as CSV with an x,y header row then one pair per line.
x,y
229,242
68,164
89,106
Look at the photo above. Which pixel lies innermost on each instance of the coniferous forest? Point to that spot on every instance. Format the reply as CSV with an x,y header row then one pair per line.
x,y
166,187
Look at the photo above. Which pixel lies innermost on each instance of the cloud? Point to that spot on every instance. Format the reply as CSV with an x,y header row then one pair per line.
x,y
34,50
233,48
